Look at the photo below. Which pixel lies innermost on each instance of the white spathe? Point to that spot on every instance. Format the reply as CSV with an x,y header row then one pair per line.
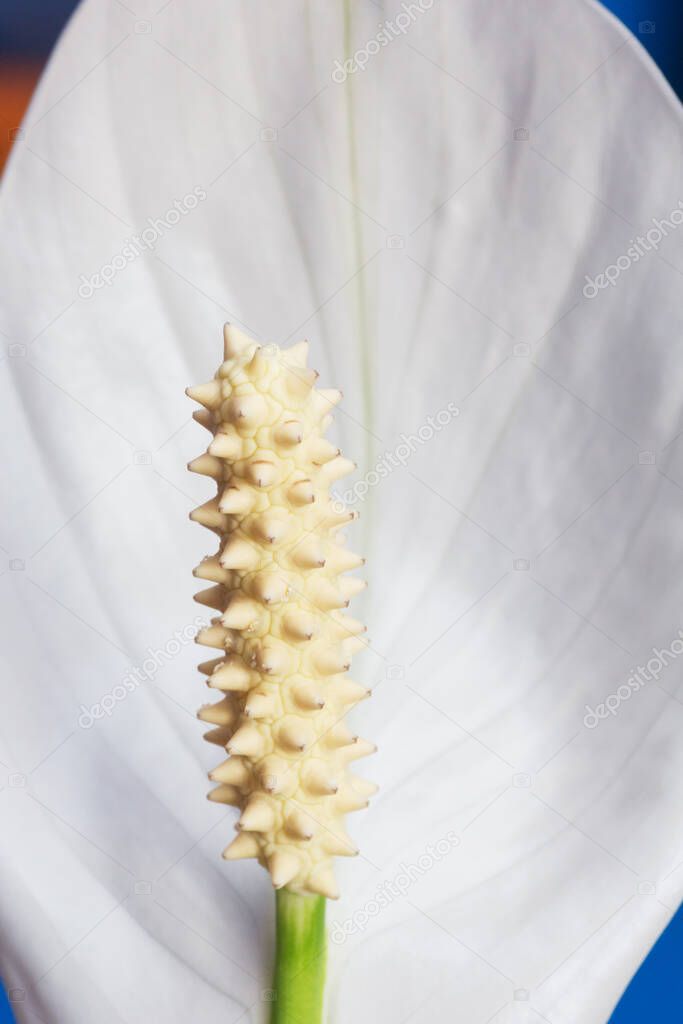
x,y
429,224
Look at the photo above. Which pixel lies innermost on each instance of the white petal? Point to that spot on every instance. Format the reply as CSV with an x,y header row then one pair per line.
x,y
432,258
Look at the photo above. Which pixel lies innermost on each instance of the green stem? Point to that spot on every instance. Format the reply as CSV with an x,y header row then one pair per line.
x,y
300,951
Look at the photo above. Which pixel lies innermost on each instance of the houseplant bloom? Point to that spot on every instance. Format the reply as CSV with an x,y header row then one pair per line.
x,y
450,209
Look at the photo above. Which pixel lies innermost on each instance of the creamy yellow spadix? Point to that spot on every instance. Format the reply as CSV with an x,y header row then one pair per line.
x,y
280,590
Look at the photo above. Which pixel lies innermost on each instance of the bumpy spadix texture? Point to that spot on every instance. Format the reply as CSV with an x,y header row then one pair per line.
x,y
280,590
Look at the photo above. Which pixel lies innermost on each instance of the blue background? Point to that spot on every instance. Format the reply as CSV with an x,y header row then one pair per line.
x,y
28,28
664,44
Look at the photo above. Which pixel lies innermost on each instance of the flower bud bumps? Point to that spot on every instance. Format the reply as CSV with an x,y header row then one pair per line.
x,y
279,588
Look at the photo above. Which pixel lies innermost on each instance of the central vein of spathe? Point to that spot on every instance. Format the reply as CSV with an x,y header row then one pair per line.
x,y
364,341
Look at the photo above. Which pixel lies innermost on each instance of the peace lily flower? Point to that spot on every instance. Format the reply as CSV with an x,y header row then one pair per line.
x,y
279,583
428,216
